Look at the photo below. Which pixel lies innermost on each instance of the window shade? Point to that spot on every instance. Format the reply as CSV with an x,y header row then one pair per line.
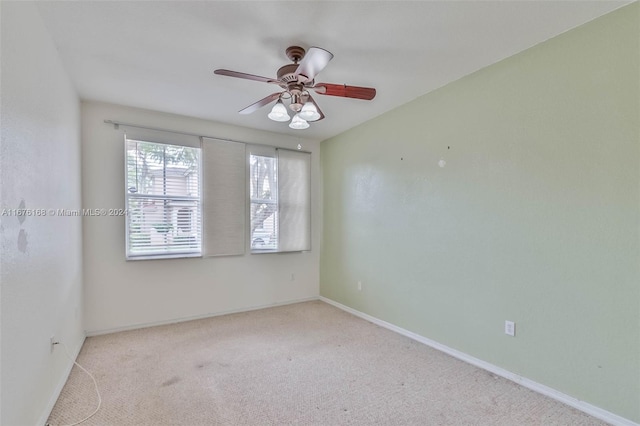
x,y
224,197
294,199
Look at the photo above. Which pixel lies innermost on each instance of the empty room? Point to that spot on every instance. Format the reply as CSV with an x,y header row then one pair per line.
x,y
320,213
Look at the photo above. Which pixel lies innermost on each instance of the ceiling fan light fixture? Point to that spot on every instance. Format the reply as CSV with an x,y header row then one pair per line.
x,y
298,123
296,102
295,106
279,112
309,112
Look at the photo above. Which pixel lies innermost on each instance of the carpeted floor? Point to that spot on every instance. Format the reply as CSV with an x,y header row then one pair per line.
x,y
303,364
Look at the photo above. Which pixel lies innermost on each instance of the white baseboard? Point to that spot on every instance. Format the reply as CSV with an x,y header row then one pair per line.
x,y
585,407
58,389
91,333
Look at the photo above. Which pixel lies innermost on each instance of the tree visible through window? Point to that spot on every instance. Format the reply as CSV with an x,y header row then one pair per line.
x,y
264,202
163,199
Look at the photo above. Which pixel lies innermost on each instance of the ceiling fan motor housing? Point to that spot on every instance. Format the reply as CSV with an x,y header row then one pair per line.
x,y
286,74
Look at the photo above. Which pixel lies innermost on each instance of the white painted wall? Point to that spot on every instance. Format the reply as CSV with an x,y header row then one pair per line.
x,y
41,257
121,294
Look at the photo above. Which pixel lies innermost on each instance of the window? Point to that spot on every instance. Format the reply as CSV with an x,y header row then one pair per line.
x,y
162,200
189,196
263,193
279,198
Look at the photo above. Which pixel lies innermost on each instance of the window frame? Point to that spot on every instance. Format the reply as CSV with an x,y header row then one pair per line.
x,y
128,196
275,153
266,152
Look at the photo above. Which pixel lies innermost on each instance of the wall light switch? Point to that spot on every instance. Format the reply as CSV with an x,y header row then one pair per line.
x,y
510,328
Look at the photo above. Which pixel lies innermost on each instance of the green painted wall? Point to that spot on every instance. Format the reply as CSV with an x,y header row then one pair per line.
x,y
535,218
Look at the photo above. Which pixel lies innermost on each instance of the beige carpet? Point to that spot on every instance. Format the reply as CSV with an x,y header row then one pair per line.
x,y
302,364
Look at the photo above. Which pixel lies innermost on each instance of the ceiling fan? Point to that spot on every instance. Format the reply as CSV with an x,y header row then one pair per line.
x,y
297,80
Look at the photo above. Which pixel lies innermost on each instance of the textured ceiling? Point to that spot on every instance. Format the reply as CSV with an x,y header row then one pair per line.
x,y
161,55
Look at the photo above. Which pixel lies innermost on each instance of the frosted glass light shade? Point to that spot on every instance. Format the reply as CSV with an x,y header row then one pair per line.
x,y
298,123
279,112
309,112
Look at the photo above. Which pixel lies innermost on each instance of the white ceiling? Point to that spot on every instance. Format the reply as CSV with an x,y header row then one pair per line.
x,y
161,55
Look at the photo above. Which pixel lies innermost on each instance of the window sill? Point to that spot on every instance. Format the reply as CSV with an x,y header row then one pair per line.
x,y
278,252
163,256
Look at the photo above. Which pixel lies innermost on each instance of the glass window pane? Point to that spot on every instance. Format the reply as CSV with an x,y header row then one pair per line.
x,y
161,169
163,199
264,178
263,191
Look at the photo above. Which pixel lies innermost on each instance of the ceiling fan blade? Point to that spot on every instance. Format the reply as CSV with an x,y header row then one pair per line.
x,y
313,62
344,91
262,102
313,101
246,76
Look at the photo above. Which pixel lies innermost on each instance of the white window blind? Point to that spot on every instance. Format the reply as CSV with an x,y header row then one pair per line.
x,y
162,199
224,197
294,200
159,136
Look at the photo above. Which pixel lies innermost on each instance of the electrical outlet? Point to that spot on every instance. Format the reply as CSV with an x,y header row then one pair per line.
x,y
510,328
52,342
359,285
